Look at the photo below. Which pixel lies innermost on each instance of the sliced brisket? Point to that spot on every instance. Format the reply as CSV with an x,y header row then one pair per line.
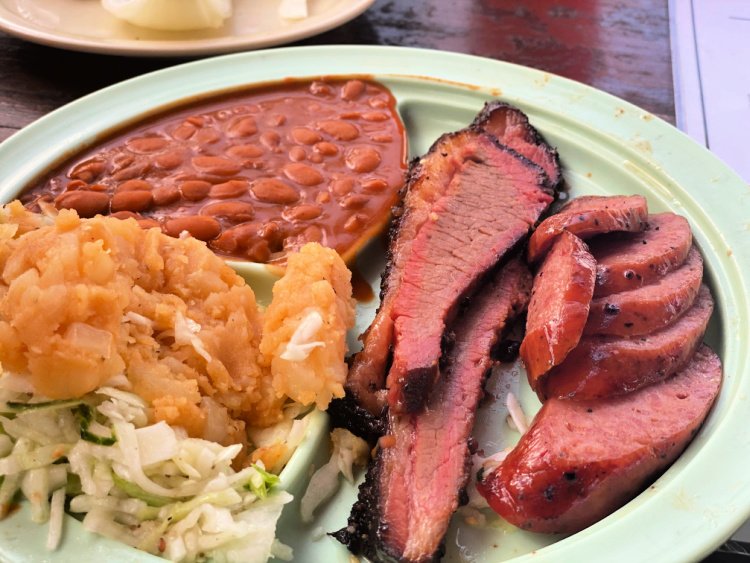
x,y
412,488
490,205
458,171
511,127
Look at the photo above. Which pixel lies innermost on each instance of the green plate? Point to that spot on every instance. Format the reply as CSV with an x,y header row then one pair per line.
x,y
608,147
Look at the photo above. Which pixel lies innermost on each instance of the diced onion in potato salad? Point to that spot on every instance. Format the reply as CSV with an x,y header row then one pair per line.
x,y
147,485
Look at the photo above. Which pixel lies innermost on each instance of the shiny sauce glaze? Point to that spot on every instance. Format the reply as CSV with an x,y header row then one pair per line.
x,y
255,173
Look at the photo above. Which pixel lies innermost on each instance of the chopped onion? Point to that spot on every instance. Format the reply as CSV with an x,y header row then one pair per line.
x,y
186,334
93,340
136,319
348,450
56,513
301,343
156,443
516,413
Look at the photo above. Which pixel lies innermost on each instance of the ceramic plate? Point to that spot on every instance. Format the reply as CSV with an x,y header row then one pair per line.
x,y
83,25
607,147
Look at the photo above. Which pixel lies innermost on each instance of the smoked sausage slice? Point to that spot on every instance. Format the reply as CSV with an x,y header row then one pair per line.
x,y
559,305
588,216
580,461
627,261
605,366
648,308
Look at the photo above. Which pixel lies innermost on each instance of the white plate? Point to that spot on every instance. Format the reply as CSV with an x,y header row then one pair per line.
x,y
83,25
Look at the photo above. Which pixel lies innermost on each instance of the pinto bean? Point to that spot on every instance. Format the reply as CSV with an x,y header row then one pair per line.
x,y
340,130
303,212
136,200
195,190
199,226
242,127
145,145
362,158
352,90
230,189
86,203
305,136
165,195
88,170
216,165
271,190
302,174
232,211
133,185
169,160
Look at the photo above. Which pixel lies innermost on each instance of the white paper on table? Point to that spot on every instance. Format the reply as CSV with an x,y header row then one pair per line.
x,y
711,71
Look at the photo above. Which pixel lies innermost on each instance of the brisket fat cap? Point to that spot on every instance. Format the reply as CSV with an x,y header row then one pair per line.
x,y
511,127
427,182
413,487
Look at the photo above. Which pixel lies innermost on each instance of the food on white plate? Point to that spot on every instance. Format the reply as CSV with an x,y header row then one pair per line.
x,y
413,486
588,216
293,9
256,173
454,279
469,201
628,261
581,460
436,329
349,451
171,15
650,307
619,408
132,363
559,305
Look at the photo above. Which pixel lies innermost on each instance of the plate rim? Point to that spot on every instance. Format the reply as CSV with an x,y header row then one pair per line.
x,y
18,27
375,57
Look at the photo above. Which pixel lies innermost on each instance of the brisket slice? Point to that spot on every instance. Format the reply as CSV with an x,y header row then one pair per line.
x,y
413,486
490,205
428,180
511,127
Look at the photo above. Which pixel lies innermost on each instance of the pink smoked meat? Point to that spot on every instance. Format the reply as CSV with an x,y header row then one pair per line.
x,y
559,305
580,461
605,366
588,216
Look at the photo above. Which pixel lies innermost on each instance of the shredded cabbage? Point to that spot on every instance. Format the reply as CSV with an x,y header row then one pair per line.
x,y
302,341
152,487
348,450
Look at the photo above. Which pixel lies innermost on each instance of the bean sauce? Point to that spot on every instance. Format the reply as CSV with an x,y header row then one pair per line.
x,y
255,174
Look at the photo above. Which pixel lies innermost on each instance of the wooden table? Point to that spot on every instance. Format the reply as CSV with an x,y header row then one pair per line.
x,y
620,46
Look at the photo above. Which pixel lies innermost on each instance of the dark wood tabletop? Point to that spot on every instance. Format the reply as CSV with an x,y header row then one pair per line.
x,y
620,46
